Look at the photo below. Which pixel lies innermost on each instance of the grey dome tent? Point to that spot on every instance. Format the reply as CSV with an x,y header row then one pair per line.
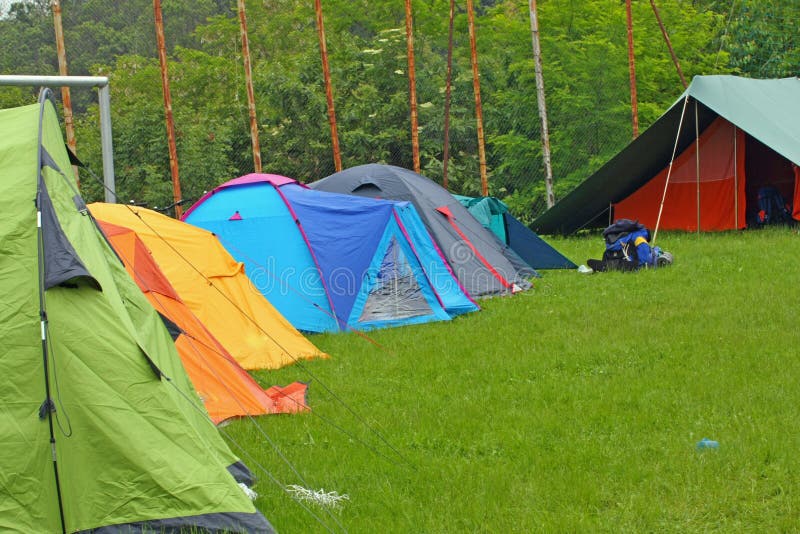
x,y
482,264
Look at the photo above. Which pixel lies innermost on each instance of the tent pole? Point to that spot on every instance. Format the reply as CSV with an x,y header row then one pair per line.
x,y
48,407
476,86
669,170
537,68
173,152
697,161
412,87
447,90
735,177
669,43
248,78
326,74
632,71
65,94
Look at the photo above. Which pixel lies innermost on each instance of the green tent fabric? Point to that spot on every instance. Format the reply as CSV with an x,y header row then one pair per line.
x,y
767,110
489,211
493,214
97,375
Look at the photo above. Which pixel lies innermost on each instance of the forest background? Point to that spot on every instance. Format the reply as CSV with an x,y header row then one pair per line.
x,y
585,68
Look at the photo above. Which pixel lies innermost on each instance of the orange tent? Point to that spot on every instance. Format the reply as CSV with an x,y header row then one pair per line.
x,y
225,388
215,288
716,176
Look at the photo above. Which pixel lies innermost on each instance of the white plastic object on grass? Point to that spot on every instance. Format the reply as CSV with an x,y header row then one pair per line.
x,y
330,499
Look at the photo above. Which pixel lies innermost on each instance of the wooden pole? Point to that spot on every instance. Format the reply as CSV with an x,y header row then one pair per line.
x,y
412,87
736,177
476,84
697,160
537,68
65,95
447,90
326,74
248,77
669,43
632,71
173,152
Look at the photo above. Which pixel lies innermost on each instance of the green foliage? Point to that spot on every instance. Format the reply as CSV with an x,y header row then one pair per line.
x,y
763,40
585,70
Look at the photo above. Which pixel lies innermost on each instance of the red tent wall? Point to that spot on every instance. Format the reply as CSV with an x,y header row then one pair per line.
x,y
796,203
722,186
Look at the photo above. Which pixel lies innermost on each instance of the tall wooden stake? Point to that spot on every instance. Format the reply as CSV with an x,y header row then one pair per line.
x,y
248,77
412,87
669,43
447,90
537,67
173,152
476,84
632,70
326,73
65,95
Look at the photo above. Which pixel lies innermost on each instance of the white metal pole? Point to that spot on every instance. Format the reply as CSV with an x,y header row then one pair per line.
x,y
104,100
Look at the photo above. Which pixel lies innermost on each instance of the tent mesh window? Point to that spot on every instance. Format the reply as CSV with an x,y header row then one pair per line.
x,y
394,292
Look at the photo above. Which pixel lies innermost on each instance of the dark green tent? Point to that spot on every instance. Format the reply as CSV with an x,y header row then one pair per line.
x,y
725,139
102,430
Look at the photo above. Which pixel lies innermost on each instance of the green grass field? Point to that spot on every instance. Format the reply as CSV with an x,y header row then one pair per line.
x,y
573,407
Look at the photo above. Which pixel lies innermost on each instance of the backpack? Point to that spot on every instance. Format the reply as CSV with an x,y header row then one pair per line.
x,y
772,208
620,239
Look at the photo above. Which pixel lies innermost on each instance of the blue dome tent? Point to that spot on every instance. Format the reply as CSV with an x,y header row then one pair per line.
x,y
331,262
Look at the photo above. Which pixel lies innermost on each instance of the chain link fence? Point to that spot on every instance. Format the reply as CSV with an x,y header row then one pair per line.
x,y
586,83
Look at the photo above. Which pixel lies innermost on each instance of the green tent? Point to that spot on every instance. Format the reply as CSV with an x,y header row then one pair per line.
x,y
493,214
102,430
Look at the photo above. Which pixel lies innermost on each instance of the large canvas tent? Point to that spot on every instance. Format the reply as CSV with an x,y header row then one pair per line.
x,y
331,262
483,265
493,214
102,430
225,388
730,136
215,287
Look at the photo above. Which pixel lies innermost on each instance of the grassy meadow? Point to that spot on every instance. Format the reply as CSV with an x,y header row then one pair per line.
x,y
574,407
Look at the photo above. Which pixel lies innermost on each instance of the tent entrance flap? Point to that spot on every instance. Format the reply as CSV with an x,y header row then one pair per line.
x,y
763,168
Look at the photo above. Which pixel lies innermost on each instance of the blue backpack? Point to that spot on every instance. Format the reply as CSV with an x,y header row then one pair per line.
x,y
627,245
